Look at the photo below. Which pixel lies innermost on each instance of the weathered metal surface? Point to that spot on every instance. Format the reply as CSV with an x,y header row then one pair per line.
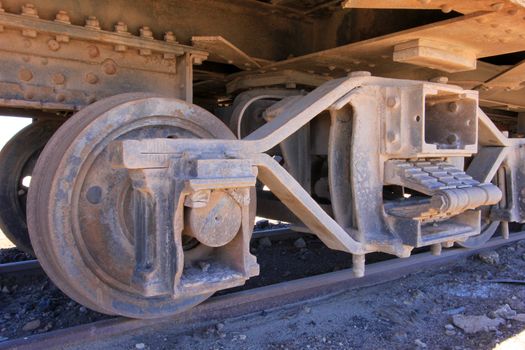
x,y
65,67
137,262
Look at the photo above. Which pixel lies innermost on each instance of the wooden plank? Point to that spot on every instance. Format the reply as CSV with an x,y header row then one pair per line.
x,y
222,51
485,34
463,6
511,79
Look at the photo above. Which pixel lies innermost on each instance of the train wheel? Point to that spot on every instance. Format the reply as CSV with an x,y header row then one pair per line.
x,y
79,208
17,160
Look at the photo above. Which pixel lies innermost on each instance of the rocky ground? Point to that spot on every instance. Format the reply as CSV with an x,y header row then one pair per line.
x,y
459,306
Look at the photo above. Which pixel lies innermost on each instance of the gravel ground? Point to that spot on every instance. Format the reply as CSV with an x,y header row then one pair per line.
x,y
453,307
432,309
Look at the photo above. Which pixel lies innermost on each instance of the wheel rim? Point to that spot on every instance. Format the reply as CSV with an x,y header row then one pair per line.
x,y
83,248
17,160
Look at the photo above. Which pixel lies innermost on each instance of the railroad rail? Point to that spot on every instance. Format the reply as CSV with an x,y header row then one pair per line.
x,y
258,299
33,266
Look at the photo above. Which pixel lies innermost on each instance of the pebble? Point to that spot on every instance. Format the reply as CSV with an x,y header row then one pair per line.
x,y
450,327
299,243
140,346
31,325
489,257
242,337
82,309
474,324
420,344
307,309
504,312
204,266
265,242
219,326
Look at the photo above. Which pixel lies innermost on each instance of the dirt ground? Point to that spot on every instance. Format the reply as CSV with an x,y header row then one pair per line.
x,y
453,307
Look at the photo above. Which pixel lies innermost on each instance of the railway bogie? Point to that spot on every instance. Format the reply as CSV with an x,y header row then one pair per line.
x,y
377,126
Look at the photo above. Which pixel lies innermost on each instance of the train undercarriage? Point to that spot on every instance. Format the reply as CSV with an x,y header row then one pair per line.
x,y
162,128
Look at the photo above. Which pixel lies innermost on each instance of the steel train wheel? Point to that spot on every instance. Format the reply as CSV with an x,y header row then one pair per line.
x,y
77,208
17,160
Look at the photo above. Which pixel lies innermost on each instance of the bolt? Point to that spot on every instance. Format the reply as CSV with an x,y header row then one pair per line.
x,y
170,37
25,74
58,79
53,45
29,10
93,51
145,32
60,98
453,107
91,78
120,48
440,80
62,17
121,28
109,67
92,22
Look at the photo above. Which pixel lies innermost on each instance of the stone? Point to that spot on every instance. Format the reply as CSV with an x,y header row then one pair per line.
x,y
450,327
504,312
489,257
300,243
31,325
140,346
82,309
242,336
265,242
420,344
519,318
219,326
204,266
474,324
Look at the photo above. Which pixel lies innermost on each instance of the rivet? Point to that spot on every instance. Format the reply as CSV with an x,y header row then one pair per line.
x,y
145,32
92,22
497,6
93,51
91,78
62,17
392,101
25,74
29,10
391,136
53,45
170,37
109,67
453,107
58,79
446,8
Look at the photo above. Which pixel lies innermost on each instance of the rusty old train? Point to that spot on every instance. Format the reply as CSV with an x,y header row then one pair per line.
x,y
161,128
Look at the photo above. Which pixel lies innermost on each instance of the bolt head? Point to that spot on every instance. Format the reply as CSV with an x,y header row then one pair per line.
x,y
59,79
53,45
91,78
25,74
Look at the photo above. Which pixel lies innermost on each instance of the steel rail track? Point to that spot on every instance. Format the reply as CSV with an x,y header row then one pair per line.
x,y
257,299
32,266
